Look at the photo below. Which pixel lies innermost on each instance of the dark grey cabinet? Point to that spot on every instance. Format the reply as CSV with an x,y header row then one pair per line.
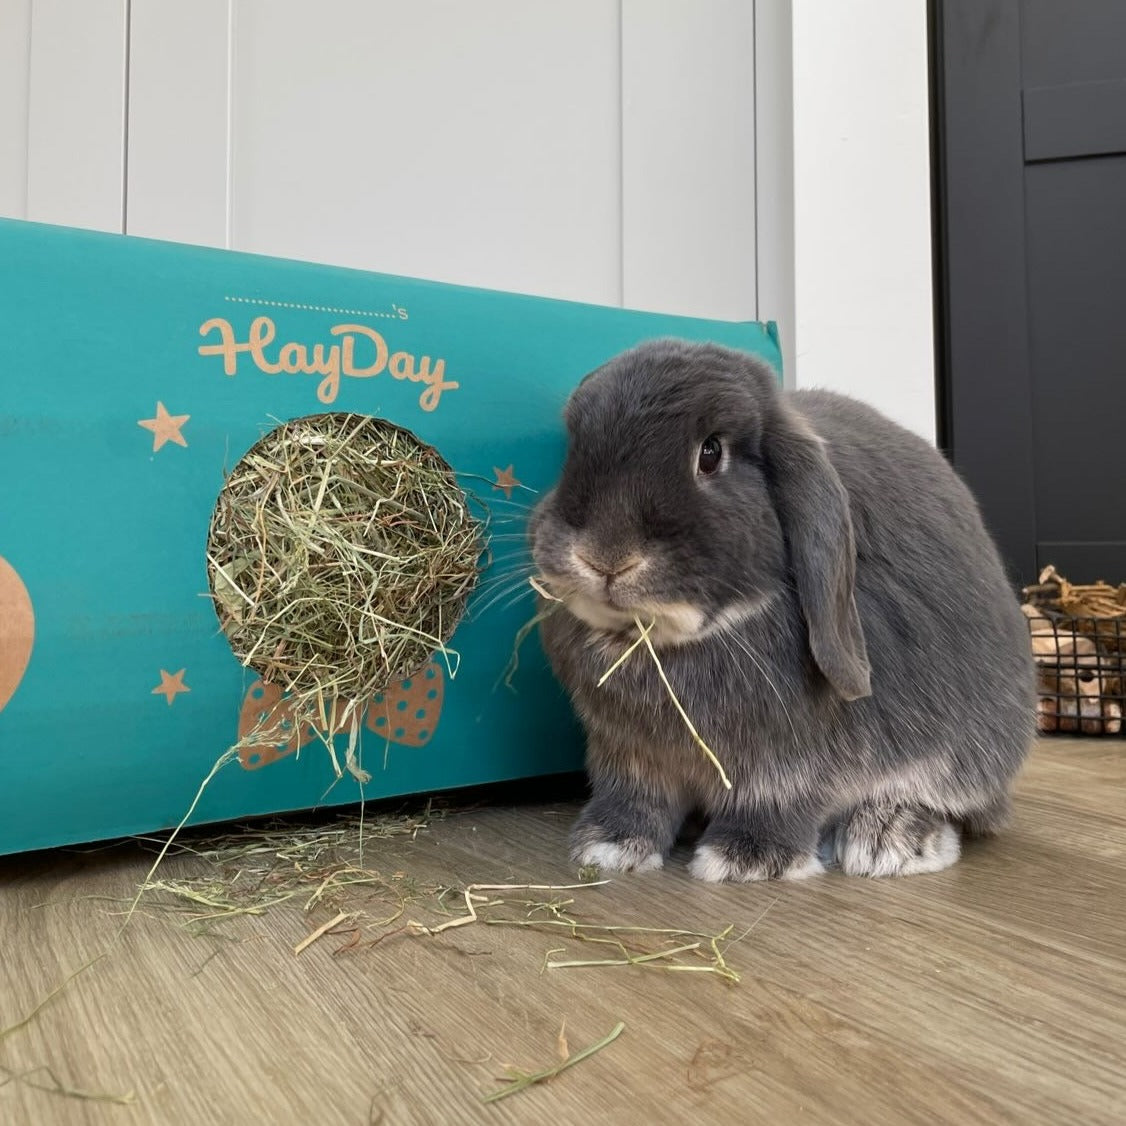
x,y
1030,148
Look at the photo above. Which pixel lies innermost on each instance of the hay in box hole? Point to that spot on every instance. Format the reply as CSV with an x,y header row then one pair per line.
x,y
341,555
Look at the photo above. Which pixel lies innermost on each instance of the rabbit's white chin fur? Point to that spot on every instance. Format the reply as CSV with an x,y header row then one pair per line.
x,y
674,623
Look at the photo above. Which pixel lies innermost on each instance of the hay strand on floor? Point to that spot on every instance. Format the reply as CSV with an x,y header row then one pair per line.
x,y
46,1000
322,930
57,1087
520,1081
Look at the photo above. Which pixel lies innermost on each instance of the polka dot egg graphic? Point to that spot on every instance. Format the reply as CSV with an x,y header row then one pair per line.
x,y
406,714
409,713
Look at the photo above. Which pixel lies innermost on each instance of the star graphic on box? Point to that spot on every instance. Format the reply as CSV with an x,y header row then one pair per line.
x,y
171,685
506,480
165,427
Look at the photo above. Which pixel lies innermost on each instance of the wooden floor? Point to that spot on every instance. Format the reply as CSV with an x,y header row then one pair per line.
x,y
991,993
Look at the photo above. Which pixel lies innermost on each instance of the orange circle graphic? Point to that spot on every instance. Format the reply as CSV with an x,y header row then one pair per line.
x,y
17,631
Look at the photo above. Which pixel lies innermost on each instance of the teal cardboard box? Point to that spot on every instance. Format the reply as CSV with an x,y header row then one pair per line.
x,y
133,376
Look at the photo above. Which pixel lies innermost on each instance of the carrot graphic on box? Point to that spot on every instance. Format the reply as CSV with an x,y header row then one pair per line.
x,y
17,631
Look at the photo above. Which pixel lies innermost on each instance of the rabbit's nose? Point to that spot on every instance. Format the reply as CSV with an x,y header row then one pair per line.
x,y
610,569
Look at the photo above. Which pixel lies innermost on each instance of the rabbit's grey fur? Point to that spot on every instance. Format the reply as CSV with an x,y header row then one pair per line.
x,y
828,607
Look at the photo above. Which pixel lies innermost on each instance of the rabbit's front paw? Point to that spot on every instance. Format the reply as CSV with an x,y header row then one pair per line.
x,y
590,848
624,835
744,858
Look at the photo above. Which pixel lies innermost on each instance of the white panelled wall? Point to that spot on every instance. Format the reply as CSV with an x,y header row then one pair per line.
x,y
725,158
862,199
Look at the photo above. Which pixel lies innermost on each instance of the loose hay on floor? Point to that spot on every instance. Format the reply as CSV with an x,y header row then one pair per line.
x,y
322,872
318,868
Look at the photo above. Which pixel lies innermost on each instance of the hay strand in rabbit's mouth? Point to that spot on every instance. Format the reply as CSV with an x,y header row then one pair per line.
x,y
643,640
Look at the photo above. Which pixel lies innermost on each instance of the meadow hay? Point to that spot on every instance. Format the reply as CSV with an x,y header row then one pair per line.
x,y
341,555
323,874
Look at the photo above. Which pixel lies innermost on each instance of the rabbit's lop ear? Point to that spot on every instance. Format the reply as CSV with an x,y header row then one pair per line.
x,y
813,508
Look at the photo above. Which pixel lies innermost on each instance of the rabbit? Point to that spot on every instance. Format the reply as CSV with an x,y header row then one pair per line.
x,y
825,601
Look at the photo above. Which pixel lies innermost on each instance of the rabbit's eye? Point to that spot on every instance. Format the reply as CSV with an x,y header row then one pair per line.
x,y
711,454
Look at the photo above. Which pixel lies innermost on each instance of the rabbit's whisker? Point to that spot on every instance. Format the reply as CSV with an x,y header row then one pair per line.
x,y
517,586
745,646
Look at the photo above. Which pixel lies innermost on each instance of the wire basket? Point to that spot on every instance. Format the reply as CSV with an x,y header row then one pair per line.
x,y
1078,636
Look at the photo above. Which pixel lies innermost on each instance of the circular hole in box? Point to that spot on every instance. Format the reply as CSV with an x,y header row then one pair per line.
x,y
341,555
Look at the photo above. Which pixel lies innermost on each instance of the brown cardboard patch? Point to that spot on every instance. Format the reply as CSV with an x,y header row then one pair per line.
x,y
17,631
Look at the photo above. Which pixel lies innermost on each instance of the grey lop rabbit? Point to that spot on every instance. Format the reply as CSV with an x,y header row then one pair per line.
x,y
825,601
